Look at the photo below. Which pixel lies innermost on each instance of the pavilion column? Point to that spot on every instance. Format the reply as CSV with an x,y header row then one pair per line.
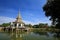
x,y
21,25
17,25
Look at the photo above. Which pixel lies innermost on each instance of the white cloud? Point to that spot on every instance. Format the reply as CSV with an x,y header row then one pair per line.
x,y
28,22
44,20
37,22
6,19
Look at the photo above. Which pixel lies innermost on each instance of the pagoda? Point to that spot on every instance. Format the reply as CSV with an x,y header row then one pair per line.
x,y
18,22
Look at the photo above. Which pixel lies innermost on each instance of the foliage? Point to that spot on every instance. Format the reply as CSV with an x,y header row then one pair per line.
x,y
35,26
40,25
0,25
5,24
28,25
52,10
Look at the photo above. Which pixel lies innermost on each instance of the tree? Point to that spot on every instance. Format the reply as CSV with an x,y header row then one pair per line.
x,y
52,10
35,26
41,25
28,25
5,24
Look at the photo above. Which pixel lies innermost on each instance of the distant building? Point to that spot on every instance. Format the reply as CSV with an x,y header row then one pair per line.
x,y
18,22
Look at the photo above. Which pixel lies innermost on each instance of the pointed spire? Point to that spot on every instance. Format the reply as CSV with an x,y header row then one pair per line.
x,y
19,19
19,16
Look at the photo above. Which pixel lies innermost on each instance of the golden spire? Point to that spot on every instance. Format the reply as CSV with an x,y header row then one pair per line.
x,y
18,19
19,16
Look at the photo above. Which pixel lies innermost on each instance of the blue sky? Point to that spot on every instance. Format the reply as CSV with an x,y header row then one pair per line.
x,y
31,11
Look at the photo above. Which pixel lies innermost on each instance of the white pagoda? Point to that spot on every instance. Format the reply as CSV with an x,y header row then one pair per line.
x,y
18,22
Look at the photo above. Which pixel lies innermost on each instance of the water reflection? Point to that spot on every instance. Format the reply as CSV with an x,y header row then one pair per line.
x,y
55,35
18,36
30,36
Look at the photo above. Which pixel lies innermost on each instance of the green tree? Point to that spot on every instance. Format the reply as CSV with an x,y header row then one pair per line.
x,y
5,24
52,10
35,26
41,25
28,25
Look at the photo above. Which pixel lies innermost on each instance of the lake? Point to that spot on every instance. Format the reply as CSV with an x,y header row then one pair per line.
x,y
28,36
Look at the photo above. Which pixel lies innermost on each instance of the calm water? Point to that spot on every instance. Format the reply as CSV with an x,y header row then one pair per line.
x,y
28,36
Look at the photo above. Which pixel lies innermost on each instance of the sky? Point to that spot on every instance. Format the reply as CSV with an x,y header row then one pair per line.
x,y
31,11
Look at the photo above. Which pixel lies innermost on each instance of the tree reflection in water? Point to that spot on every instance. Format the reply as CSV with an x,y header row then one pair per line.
x,y
56,35
18,36
35,36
